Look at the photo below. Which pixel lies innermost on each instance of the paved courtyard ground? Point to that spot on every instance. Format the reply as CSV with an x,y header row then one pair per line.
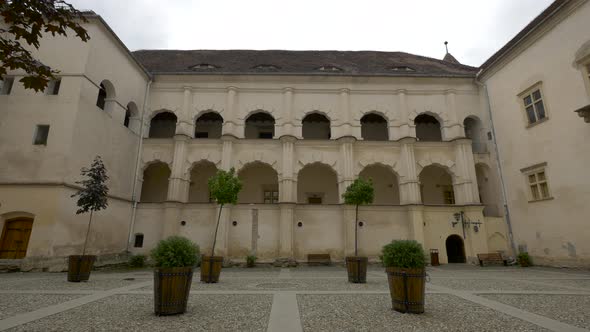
x,y
459,298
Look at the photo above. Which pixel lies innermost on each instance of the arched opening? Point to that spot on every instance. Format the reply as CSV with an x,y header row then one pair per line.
x,y
317,184
374,128
473,131
384,182
155,183
106,90
199,186
316,126
208,125
497,243
455,249
163,125
15,238
260,184
485,186
130,112
427,128
436,186
260,125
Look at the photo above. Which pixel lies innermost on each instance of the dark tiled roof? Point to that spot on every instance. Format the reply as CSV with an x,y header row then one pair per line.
x,y
346,63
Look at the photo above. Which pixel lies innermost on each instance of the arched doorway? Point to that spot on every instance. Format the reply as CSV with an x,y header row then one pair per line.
x,y
15,238
455,249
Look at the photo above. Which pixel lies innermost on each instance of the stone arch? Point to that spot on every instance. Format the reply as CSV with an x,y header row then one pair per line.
x,y
441,117
131,113
385,183
316,157
259,124
447,164
329,114
266,158
316,125
497,242
147,164
436,185
106,92
455,249
317,183
209,125
199,174
260,183
155,182
428,127
163,124
374,127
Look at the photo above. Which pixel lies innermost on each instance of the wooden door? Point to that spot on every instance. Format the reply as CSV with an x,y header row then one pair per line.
x,y
15,238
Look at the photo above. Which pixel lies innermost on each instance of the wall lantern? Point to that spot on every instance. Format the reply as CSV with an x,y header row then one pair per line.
x,y
584,112
460,217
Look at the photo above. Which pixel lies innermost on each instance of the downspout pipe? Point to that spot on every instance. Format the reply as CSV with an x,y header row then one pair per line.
x,y
498,164
137,160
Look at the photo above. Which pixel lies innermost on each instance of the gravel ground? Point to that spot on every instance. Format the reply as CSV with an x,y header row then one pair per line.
x,y
570,309
14,304
372,312
582,284
135,313
491,284
53,283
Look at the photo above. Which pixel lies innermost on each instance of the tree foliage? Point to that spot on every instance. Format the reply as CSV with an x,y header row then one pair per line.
x,y
224,187
359,192
25,21
93,194
175,251
404,253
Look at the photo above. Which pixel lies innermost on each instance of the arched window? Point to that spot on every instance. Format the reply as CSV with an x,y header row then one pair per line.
x,y
260,125
385,184
436,186
155,183
163,125
106,90
427,128
130,112
102,96
316,126
260,184
199,189
317,184
208,125
374,128
472,128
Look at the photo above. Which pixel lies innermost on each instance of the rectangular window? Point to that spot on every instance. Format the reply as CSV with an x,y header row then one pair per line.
x,y
448,194
314,200
265,134
534,105
6,85
53,87
41,134
138,241
271,197
536,179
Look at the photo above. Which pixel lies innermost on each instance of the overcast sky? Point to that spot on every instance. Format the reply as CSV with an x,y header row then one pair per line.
x,y
475,29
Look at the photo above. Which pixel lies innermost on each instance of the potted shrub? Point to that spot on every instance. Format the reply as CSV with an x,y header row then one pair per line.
x,y
358,193
224,187
405,263
175,258
524,259
91,197
251,261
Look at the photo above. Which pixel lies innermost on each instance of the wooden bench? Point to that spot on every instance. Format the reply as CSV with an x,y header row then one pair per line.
x,y
318,259
491,257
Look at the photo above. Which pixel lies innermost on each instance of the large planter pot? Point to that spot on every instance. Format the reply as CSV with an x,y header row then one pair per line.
x,y
407,288
357,269
211,268
171,289
79,267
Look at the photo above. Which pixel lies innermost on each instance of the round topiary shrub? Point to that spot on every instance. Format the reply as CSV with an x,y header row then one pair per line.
x,y
405,254
175,251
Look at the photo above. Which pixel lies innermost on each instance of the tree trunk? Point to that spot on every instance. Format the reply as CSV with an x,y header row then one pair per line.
x,y
356,230
216,228
87,232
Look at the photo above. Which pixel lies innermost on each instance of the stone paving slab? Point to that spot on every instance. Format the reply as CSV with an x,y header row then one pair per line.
x,y
14,304
583,284
368,312
135,313
570,309
491,284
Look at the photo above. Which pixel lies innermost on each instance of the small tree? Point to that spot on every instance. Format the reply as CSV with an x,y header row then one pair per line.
x,y
224,188
93,194
358,193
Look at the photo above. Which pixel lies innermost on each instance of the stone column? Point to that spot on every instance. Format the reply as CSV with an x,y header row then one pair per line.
x,y
344,111
177,181
230,127
453,129
185,125
287,199
347,159
405,129
410,184
226,152
288,125
416,223
465,181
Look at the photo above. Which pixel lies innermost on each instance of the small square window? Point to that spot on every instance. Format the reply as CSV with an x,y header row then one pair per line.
x,y
138,241
41,134
534,105
53,87
271,197
6,85
537,182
